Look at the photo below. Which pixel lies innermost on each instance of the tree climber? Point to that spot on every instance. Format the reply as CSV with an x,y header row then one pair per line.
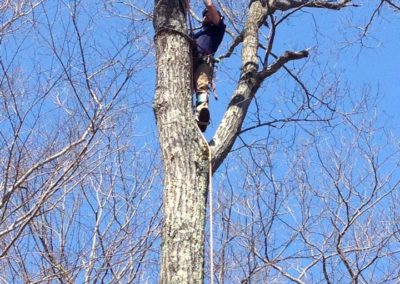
x,y
207,41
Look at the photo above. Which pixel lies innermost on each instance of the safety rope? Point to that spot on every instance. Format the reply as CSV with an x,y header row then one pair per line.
x,y
211,215
189,19
172,30
191,41
191,33
210,198
210,187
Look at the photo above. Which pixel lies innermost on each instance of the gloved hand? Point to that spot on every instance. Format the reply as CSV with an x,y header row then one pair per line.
x,y
207,2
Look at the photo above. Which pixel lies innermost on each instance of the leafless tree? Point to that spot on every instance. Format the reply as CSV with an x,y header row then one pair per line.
x,y
76,183
321,212
188,159
306,187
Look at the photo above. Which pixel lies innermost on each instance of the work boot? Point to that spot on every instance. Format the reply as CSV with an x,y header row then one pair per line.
x,y
202,112
203,116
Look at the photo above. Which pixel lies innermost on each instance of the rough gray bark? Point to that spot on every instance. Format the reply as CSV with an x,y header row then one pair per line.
x,y
250,80
184,151
247,87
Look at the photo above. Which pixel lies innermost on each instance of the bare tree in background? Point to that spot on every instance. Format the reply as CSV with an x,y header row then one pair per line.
x,y
326,213
307,186
74,186
187,158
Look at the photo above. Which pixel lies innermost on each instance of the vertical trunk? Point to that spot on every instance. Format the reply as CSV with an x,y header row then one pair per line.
x,y
246,89
184,150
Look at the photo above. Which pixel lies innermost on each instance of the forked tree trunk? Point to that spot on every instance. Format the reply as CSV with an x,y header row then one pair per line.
x,y
184,150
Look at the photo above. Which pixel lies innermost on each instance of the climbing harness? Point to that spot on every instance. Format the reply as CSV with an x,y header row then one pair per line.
x,y
211,60
206,56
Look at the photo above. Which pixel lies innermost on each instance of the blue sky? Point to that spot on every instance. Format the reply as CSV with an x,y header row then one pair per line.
x,y
334,39
373,65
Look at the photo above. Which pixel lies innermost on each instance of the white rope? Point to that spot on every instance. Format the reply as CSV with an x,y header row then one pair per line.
x,y
188,8
210,204
211,216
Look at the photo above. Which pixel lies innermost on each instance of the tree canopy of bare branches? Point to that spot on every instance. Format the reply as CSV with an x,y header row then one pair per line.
x,y
303,163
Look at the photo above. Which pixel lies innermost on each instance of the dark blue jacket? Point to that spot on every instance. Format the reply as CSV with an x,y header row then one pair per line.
x,y
209,38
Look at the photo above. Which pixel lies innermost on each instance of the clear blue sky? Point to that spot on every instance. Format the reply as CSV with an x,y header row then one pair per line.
x,y
374,63
334,39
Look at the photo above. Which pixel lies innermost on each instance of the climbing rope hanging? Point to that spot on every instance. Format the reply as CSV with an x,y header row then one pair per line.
x,y
211,213
186,5
211,217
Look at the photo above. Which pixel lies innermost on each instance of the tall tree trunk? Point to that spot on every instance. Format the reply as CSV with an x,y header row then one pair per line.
x,y
184,150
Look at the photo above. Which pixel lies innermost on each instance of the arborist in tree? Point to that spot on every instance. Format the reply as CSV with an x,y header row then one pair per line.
x,y
207,41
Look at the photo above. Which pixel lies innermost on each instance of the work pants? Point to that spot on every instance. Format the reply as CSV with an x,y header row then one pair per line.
x,y
202,77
